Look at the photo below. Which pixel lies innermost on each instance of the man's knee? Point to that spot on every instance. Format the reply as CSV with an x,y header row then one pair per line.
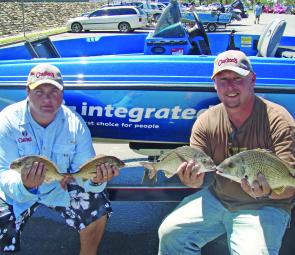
x,y
96,226
175,240
169,237
165,230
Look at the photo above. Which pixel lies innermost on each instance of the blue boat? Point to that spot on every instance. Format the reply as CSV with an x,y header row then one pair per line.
x,y
211,20
108,74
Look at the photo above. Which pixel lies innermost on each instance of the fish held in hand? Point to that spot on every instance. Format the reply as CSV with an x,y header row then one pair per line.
x,y
88,169
170,161
24,164
248,164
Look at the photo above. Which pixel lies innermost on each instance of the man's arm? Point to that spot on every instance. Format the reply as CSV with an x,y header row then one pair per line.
x,y
10,181
188,171
288,193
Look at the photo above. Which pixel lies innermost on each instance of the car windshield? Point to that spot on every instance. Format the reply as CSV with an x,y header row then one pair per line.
x,y
141,11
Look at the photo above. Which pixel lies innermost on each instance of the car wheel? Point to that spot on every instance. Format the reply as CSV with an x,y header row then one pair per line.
x,y
76,27
211,27
124,27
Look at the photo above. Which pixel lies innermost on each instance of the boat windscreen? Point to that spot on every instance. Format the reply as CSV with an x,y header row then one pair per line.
x,y
169,24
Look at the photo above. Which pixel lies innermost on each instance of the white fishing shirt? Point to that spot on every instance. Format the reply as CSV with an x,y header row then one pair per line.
x,y
66,141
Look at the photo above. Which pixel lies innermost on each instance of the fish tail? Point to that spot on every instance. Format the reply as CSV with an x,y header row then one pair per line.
x,y
49,179
291,181
151,167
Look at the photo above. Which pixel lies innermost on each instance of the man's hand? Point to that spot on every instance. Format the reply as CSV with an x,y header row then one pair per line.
x,y
105,172
258,188
33,176
66,180
189,174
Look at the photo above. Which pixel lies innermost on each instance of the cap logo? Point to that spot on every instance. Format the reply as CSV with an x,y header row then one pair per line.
x,y
232,60
227,60
44,74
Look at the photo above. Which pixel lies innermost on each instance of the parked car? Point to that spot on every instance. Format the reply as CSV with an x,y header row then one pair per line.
x,y
280,9
289,9
166,3
123,18
158,9
152,9
138,5
267,9
236,13
215,6
160,6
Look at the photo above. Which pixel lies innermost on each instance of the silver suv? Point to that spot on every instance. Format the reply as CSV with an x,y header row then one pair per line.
x,y
123,18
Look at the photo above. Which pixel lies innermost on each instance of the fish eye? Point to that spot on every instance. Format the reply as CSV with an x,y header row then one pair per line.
x,y
231,164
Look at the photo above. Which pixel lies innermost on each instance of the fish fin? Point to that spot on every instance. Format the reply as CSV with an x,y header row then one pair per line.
x,y
151,167
263,150
146,180
154,179
270,152
163,156
208,170
291,180
180,156
169,175
279,190
49,179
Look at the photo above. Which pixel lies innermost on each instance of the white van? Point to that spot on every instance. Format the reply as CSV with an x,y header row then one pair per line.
x,y
123,18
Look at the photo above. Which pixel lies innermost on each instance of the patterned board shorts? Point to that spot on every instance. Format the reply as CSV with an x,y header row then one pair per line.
x,y
83,210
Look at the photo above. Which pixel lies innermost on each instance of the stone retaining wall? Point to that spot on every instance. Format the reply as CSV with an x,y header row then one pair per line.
x,y
39,16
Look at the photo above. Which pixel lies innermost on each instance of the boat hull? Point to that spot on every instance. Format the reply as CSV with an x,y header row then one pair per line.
x,y
153,99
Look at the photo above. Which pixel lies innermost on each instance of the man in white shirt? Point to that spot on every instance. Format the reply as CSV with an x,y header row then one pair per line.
x,y
41,125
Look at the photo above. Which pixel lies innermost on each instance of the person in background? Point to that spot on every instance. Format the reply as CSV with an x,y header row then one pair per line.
x,y
192,7
41,125
221,8
249,213
257,12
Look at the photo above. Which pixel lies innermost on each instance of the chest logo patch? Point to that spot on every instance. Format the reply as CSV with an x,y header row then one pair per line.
x,y
24,138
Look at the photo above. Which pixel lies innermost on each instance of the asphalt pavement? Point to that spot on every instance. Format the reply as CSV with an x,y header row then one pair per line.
x,y
132,229
246,26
